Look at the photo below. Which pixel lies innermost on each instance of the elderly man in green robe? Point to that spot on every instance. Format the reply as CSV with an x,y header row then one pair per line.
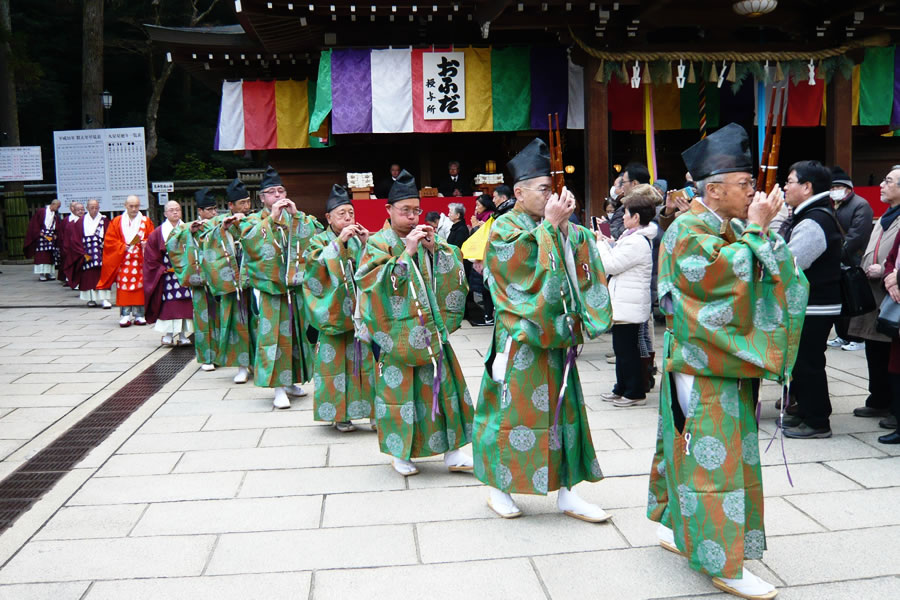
x,y
734,303
184,249
273,242
221,265
548,285
344,367
413,294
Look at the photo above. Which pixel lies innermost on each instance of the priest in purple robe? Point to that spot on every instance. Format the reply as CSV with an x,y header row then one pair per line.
x,y
41,241
166,303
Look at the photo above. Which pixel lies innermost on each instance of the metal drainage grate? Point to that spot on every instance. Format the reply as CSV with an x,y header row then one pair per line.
x,y
27,484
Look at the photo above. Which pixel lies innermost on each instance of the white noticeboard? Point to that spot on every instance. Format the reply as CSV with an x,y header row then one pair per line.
x,y
106,164
444,85
21,163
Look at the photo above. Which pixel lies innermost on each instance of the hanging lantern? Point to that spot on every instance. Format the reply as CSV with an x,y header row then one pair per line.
x,y
754,8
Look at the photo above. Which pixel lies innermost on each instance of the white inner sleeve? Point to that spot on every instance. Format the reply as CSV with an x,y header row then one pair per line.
x,y
569,257
683,386
498,370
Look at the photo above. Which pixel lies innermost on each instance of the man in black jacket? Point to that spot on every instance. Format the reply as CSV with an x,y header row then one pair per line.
x,y
455,184
855,216
816,243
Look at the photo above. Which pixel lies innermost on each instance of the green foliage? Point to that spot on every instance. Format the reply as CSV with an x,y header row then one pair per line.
x,y
192,167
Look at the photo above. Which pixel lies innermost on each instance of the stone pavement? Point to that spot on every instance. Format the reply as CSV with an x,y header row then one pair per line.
x,y
206,492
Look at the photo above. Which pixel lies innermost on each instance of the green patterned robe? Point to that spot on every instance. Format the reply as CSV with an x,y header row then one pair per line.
x,y
344,366
734,305
391,302
221,269
273,266
186,257
517,449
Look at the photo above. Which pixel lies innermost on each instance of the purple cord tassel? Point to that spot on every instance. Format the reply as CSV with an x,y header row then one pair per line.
x,y
436,386
779,427
571,355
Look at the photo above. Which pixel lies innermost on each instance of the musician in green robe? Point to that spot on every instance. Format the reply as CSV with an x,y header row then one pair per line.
x,y
548,285
184,247
273,241
734,303
413,294
221,268
344,368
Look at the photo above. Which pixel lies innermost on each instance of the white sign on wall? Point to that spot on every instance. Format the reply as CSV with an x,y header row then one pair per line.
x,y
444,85
106,164
21,163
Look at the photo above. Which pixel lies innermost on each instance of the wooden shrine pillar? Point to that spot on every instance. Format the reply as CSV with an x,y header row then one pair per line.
x,y
839,123
596,140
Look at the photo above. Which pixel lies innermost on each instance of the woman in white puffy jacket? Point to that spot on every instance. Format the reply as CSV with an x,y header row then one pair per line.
x,y
629,264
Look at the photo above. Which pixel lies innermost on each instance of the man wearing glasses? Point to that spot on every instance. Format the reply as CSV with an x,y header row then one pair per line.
x,y
734,306
816,243
344,368
548,285
273,241
413,294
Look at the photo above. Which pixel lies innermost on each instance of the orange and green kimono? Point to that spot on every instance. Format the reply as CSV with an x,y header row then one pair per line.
x,y
411,305
531,429
221,264
273,267
344,368
734,304
186,255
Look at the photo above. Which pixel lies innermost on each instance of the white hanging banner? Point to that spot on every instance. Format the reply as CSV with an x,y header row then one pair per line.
x,y
444,85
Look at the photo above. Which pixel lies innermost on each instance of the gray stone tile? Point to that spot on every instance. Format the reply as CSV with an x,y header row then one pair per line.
x,y
78,560
32,400
226,587
21,430
851,510
837,556
809,478
204,395
157,488
7,447
489,580
635,527
212,407
783,518
607,439
531,535
800,451
318,434
638,574
266,420
882,587
871,472
638,437
625,462
250,459
348,455
123,465
872,440
616,492
62,374
621,418
410,506
77,388
338,548
35,415
44,591
174,424
83,522
332,480
142,443
230,516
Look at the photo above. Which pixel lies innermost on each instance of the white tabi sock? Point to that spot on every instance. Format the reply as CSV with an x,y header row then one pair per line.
x,y
167,339
571,503
458,460
404,467
503,504
749,585
243,375
281,398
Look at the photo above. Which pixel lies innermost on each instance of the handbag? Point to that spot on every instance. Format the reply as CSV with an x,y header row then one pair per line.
x,y
856,294
888,321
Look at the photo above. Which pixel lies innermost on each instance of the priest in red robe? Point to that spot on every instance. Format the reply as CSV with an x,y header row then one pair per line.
x,y
84,255
166,302
123,261
41,240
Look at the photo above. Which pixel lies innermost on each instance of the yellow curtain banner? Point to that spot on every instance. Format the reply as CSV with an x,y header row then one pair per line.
x,y
666,106
292,114
479,98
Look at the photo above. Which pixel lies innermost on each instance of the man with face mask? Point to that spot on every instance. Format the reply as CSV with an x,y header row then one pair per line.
x,y
855,216
344,369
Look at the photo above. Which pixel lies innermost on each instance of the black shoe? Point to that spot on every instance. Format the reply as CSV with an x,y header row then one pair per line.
x,y
488,321
791,422
891,438
477,323
888,422
868,411
805,432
